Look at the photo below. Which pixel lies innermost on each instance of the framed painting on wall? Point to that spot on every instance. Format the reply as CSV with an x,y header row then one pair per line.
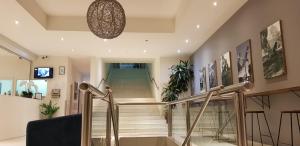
x,y
244,62
273,51
61,70
226,69
212,74
202,74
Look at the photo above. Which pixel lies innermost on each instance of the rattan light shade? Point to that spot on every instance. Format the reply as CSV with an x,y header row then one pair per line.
x,y
106,18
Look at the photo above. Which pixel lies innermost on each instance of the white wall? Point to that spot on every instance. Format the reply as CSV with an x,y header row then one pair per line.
x,y
61,82
165,72
98,71
15,113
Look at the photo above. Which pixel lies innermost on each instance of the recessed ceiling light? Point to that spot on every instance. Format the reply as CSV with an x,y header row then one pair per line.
x,y
187,41
105,40
215,3
178,51
17,22
109,50
62,39
197,26
73,50
145,51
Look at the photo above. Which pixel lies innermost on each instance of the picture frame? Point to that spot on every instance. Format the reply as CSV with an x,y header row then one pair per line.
x,y
244,62
273,52
61,70
226,69
212,74
38,96
202,80
55,93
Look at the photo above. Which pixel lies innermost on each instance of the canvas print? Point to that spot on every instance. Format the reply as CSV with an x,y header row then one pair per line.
x,y
226,71
202,75
244,62
273,51
212,74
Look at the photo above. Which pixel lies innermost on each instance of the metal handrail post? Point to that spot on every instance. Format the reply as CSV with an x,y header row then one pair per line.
x,y
108,127
170,120
86,128
240,118
210,94
113,116
118,117
188,120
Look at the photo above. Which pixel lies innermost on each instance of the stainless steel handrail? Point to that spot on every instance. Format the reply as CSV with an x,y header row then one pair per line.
x,y
221,90
93,93
216,93
92,89
142,103
203,107
152,79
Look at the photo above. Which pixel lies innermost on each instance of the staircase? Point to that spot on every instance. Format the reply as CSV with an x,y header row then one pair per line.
x,y
130,83
135,121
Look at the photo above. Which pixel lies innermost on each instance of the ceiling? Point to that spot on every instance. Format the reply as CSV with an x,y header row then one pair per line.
x,y
166,24
133,8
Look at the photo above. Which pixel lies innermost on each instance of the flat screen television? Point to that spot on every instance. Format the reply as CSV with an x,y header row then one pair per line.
x,y
43,72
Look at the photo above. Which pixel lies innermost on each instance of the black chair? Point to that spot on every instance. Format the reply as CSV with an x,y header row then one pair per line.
x,y
61,131
297,112
259,128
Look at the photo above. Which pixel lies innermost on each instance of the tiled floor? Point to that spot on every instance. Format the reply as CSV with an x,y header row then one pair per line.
x,y
14,142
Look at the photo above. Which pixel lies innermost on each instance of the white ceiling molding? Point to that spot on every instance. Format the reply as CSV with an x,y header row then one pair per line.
x,y
139,25
23,28
78,23
11,46
35,11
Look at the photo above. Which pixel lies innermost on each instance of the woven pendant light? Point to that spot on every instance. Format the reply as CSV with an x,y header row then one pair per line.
x,y
106,18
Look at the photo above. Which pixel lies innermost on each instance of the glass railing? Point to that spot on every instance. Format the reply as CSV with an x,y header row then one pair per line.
x,y
214,118
179,127
99,123
217,125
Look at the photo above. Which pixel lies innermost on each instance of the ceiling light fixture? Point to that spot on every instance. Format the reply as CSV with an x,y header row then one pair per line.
x,y
145,51
215,3
17,22
178,51
197,26
109,50
73,50
106,18
187,41
62,39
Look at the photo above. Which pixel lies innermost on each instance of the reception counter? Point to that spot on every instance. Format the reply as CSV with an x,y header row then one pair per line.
x,y
15,113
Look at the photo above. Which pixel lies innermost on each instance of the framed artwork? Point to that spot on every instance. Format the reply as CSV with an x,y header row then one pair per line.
x,y
226,69
273,51
212,74
61,70
244,62
38,96
55,93
202,75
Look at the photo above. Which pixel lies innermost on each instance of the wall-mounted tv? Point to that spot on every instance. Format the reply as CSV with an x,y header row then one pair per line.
x,y
43,72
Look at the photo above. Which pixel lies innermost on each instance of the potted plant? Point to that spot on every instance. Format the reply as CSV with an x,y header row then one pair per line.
x,y
181,75
27,94
28,85
48,110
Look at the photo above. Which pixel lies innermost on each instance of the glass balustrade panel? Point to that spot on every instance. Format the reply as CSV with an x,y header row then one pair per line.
x,y
217,125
